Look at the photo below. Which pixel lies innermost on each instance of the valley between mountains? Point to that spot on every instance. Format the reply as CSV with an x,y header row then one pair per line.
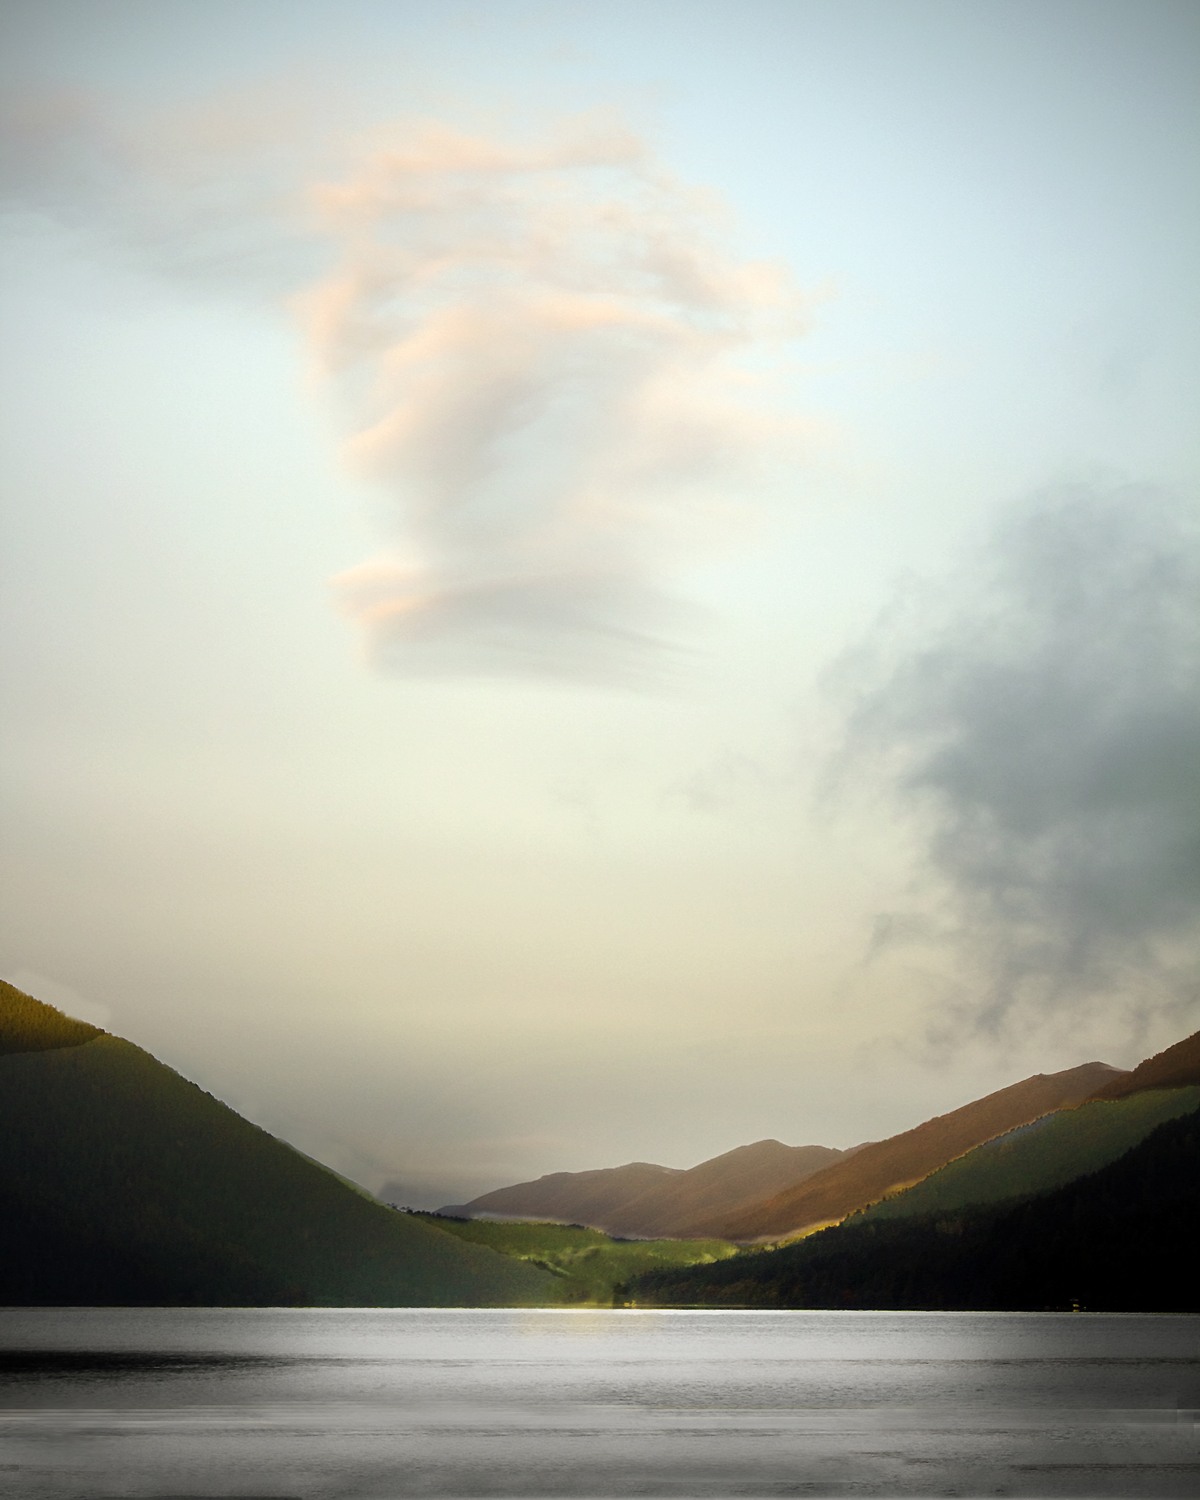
x,y
123,1184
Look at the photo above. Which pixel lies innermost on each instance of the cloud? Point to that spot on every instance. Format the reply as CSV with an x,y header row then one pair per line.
x,y
553,364
556,369
208,193
1040,714
605,628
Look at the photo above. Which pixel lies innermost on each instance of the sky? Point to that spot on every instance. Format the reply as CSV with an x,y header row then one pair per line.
x,y
599,583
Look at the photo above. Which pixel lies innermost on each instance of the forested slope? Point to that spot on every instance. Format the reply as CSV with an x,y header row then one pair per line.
x,y
28,1025
120,1182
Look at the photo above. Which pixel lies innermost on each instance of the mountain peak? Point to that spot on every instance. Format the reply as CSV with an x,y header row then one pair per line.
x,y
1174,1067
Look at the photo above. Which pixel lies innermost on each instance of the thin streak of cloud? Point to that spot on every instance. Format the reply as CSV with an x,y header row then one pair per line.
x,y
208,194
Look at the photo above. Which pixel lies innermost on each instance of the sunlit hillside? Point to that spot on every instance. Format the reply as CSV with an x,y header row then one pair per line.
x,y
26,1025
1173,1068
883,1167
1036,1158
589,1266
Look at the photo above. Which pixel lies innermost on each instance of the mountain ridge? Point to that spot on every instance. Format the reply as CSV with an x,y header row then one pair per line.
x,y
29,1025
887,1166
1040,1157
644,1200
766,1190
1177,1066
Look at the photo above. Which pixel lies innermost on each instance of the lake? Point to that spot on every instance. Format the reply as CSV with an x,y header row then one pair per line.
x,y
149,1402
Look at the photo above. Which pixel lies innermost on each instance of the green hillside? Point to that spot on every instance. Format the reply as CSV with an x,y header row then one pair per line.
x,y
122,1183
1036,1158
591,1266
26,1025
1122,1239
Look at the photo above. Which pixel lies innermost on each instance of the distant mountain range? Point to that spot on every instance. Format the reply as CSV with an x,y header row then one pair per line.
x,y
646,1201
768,1189
122,1183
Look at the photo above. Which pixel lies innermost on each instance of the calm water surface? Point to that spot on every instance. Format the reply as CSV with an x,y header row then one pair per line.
x,y
138,1402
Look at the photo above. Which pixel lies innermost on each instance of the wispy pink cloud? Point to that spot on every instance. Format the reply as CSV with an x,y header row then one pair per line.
x,y
548,351
557,367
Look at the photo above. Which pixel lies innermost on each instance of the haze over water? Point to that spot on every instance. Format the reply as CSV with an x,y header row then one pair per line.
x,y
410,1402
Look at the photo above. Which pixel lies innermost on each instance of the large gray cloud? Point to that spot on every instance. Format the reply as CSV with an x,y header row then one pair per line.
x,y
1041,713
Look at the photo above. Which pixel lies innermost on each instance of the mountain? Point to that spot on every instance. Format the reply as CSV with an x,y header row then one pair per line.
x,y
1037,1158
882,1167
122,1183
727,1184
647,1201
591,1198
1122,1239
1174,1068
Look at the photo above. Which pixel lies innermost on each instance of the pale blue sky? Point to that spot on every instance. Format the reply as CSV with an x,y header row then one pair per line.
x,y
459,930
